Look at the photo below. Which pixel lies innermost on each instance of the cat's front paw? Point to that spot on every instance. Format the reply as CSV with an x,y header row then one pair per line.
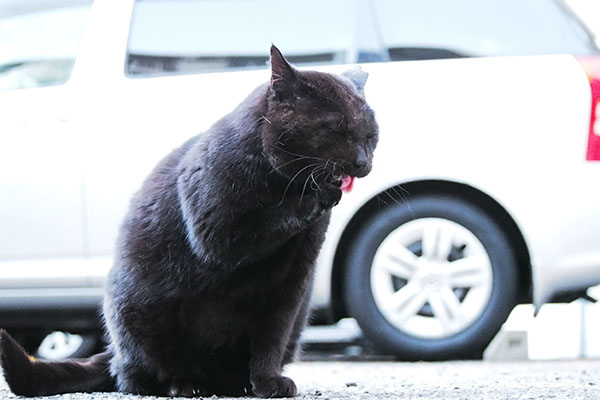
x,y
276,386
329,196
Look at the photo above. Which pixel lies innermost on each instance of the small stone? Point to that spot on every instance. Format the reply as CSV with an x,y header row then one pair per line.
x,y
351,384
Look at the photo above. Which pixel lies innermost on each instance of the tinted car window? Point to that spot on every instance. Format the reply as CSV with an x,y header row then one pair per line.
x,y
196,36
39,41
429,29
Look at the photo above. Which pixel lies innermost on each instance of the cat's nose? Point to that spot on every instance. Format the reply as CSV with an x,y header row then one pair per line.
x,y
361,163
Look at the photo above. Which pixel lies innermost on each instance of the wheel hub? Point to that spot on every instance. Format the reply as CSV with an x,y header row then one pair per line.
x,y
429,276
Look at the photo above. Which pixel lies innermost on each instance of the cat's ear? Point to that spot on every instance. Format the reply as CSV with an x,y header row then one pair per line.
x,y
358,77
283,75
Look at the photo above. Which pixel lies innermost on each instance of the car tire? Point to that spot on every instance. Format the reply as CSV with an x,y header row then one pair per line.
x,y
432,279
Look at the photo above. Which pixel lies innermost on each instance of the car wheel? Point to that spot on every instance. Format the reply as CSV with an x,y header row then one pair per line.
x,y
432,279
61,345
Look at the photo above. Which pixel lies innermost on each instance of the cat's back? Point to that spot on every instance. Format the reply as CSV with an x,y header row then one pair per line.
x,y
152,227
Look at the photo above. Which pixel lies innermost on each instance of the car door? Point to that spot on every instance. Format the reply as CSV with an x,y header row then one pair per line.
x,y
42,228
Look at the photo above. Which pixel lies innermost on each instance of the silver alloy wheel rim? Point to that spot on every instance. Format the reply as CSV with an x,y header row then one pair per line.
x,y
59,345
435,292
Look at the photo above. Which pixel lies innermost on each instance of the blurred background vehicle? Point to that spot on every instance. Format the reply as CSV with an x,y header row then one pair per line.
x,y
483,193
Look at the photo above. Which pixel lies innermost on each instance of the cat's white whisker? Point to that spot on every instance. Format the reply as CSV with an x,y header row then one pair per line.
x,y
318,187
296,154
292,180
283,133
279,167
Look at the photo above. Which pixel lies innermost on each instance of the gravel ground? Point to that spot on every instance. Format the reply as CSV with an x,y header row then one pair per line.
x,y
571,380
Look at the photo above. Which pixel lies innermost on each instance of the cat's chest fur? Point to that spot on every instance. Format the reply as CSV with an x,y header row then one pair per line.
x,y
230,306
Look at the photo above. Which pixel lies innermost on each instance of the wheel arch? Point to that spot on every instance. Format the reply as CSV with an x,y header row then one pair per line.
x,y
402,193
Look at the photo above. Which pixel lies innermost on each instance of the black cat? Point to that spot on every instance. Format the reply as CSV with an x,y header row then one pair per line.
x,y
215,260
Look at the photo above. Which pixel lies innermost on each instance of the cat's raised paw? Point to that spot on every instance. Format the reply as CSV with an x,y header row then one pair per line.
x,y
329,196
276,386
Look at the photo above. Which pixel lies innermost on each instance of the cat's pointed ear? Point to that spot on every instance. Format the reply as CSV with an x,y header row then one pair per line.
x,y
358,77
283,75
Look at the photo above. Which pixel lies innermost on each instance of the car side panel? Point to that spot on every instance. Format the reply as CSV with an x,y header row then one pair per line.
x,y
514,128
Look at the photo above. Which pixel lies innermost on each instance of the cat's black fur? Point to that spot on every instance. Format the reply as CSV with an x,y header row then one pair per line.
x,y
212,277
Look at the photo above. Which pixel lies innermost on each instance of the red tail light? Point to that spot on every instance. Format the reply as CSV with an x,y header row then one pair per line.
x,y
591,65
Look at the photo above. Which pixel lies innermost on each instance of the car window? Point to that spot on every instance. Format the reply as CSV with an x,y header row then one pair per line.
x,y
430,29
39,41
195,36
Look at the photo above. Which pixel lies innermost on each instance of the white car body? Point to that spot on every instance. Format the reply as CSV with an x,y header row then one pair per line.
x,y
518,149
513,128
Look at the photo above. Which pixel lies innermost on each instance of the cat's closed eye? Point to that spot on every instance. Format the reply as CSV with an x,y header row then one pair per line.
x,y
334,123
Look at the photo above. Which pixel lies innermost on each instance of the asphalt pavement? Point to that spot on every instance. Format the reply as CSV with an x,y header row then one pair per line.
x,y
572,380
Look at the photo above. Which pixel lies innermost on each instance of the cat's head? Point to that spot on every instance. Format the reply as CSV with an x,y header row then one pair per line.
x,y
318,125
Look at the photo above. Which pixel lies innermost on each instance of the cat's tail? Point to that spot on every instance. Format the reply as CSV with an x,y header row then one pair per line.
x,y
29,377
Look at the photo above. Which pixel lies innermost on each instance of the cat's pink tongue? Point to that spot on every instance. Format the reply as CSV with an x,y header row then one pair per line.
x,y
347,183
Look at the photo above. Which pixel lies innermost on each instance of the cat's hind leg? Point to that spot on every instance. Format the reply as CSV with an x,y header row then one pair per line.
x,y
138,377
134,379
